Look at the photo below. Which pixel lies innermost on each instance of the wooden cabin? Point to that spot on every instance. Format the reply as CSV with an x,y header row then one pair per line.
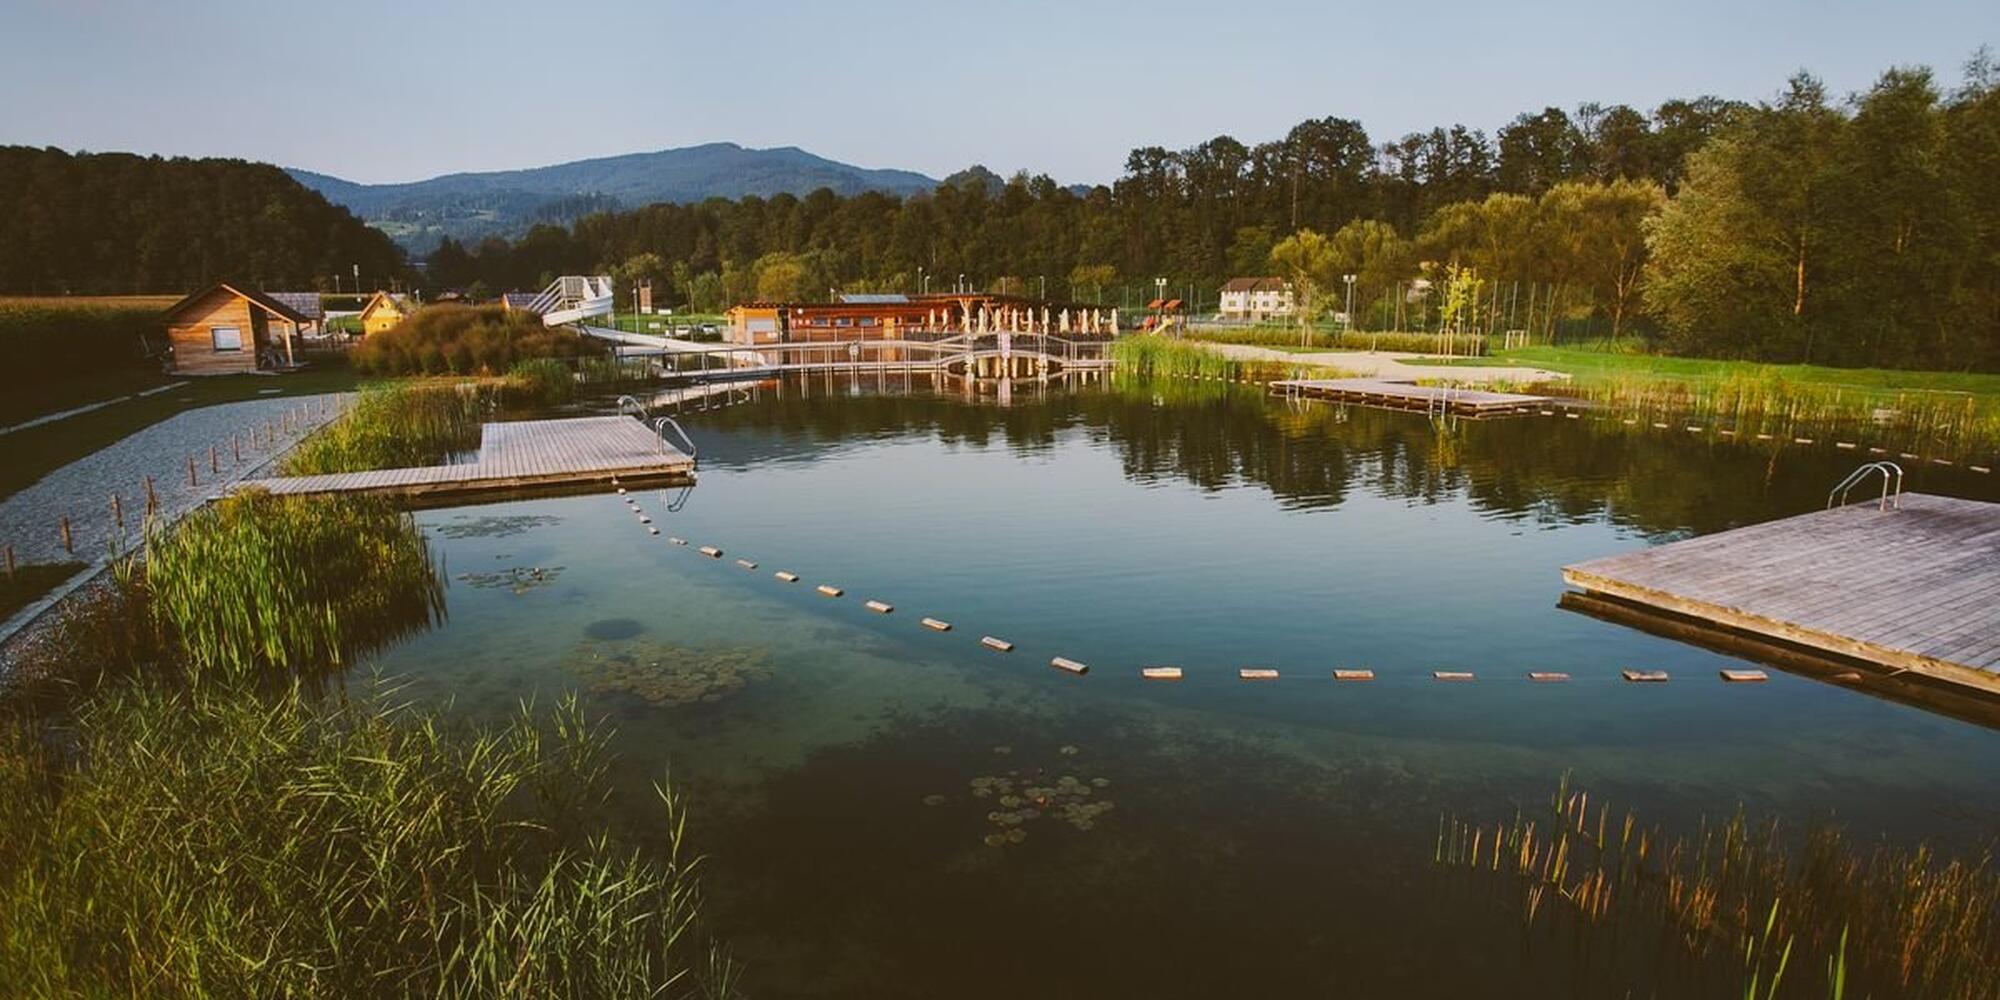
x,y
383,311
225,329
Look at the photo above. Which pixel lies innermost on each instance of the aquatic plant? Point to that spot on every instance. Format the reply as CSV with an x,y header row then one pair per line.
x,y
1146,357
1413,341
255,583
541,381
1892,921
219,843
396,426
666,674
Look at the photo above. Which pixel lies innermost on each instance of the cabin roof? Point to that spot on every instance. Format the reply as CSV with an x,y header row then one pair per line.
x,y
304,303
261,300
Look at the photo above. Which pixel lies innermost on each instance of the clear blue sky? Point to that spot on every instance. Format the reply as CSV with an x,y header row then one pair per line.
x,y
384,91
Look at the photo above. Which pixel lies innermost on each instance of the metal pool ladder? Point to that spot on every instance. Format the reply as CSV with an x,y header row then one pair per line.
x,y
659,426
1892,476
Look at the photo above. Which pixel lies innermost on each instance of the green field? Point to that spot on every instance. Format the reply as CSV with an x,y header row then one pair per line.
x,y
1591,364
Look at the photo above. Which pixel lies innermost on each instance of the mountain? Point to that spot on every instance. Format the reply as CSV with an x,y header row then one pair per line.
x,y
472,206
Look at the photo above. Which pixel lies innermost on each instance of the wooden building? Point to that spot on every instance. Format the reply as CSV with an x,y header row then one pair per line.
x,y
384,310
226,329
892,317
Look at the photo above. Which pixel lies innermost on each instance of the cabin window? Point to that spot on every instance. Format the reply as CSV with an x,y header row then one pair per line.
x,y
868,321
843,322
226,338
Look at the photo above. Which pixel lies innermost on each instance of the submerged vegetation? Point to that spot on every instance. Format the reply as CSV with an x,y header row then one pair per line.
x,y
1817,914
395,426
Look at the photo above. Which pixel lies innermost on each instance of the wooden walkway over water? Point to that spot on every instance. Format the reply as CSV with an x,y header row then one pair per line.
x,y
1913,589
578,453
1411,396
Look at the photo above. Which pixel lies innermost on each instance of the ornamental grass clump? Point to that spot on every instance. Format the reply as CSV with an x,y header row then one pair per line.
x,y
256,584
453,339
397,426
209,842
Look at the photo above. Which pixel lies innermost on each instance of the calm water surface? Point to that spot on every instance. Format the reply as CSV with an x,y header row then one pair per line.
x,y
1206,838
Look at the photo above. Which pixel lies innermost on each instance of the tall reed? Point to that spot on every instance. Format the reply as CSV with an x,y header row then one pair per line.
x,y
210,843
1459,344
1895,922
255,583
396,426
1146,357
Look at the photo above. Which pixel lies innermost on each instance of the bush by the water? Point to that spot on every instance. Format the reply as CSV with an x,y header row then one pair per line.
x,y
212,842
1417,341
453,339
396,426
46,341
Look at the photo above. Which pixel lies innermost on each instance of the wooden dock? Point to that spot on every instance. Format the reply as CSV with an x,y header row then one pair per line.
x,y
1915,589
1394,395
518,457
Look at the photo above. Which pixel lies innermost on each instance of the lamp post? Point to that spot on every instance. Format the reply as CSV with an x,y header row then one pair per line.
x,y
960,286
1349,279
1160,299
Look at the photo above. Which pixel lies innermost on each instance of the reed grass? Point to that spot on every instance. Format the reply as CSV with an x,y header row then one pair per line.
x,y
1460,344
1890,921
210,842
256,584
1146,357
397,425
541,381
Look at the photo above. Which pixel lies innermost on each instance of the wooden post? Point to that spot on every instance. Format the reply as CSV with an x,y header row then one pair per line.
x,y
117,512
10,562
66,540
191,470
213,465
152,499
236,446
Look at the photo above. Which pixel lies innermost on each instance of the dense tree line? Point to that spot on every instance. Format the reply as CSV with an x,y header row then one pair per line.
x,y
1857,232
115,223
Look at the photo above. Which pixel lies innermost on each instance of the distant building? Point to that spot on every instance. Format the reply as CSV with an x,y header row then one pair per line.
x,y
226,329
893,316
519,302
384,310
1256,298
306,304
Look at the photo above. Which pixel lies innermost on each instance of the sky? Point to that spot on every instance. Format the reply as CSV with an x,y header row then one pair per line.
x,y
396,91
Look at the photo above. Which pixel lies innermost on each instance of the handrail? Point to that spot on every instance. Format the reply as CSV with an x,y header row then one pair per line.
x,y
658,425
1892,474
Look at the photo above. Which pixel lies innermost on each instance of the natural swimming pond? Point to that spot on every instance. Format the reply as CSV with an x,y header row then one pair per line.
x,y
893,811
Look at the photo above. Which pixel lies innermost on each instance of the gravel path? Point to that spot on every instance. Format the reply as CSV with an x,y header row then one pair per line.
x,y
245,436
1386,364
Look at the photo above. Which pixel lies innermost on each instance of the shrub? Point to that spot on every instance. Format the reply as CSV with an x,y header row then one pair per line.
x,y
464,340
542,381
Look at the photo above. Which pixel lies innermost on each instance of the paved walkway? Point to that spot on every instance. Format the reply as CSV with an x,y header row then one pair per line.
x,y
1386,364
245,436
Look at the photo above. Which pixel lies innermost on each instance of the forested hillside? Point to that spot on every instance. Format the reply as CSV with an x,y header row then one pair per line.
x,y
1858,231
113,223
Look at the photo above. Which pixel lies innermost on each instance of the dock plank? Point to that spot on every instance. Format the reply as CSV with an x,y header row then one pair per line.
x,y
1914,588
574,451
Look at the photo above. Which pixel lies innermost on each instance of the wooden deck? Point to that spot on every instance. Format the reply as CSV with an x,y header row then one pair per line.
x,y
1915,589
1410,396
578,453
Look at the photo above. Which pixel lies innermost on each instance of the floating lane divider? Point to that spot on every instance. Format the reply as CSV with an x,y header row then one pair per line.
x,y
1160,673
1452,675
1547,676
997,645
879,607
1064,663
787,576
652,529
1645,676
677,541
829,590
710,551
1354,675
1745,676
746,564
1257,674
937,624
643,519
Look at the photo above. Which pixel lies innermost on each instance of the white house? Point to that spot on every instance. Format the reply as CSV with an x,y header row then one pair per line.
x,y
1256,298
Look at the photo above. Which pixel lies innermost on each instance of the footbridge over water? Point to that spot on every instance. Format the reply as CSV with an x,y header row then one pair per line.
x,y
977,355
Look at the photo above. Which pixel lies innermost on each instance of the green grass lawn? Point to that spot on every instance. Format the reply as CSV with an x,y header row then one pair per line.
x,y
1589,364
30,582
37,451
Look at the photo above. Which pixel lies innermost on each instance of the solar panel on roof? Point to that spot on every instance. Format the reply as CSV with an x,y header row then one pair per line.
x,y
873,299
